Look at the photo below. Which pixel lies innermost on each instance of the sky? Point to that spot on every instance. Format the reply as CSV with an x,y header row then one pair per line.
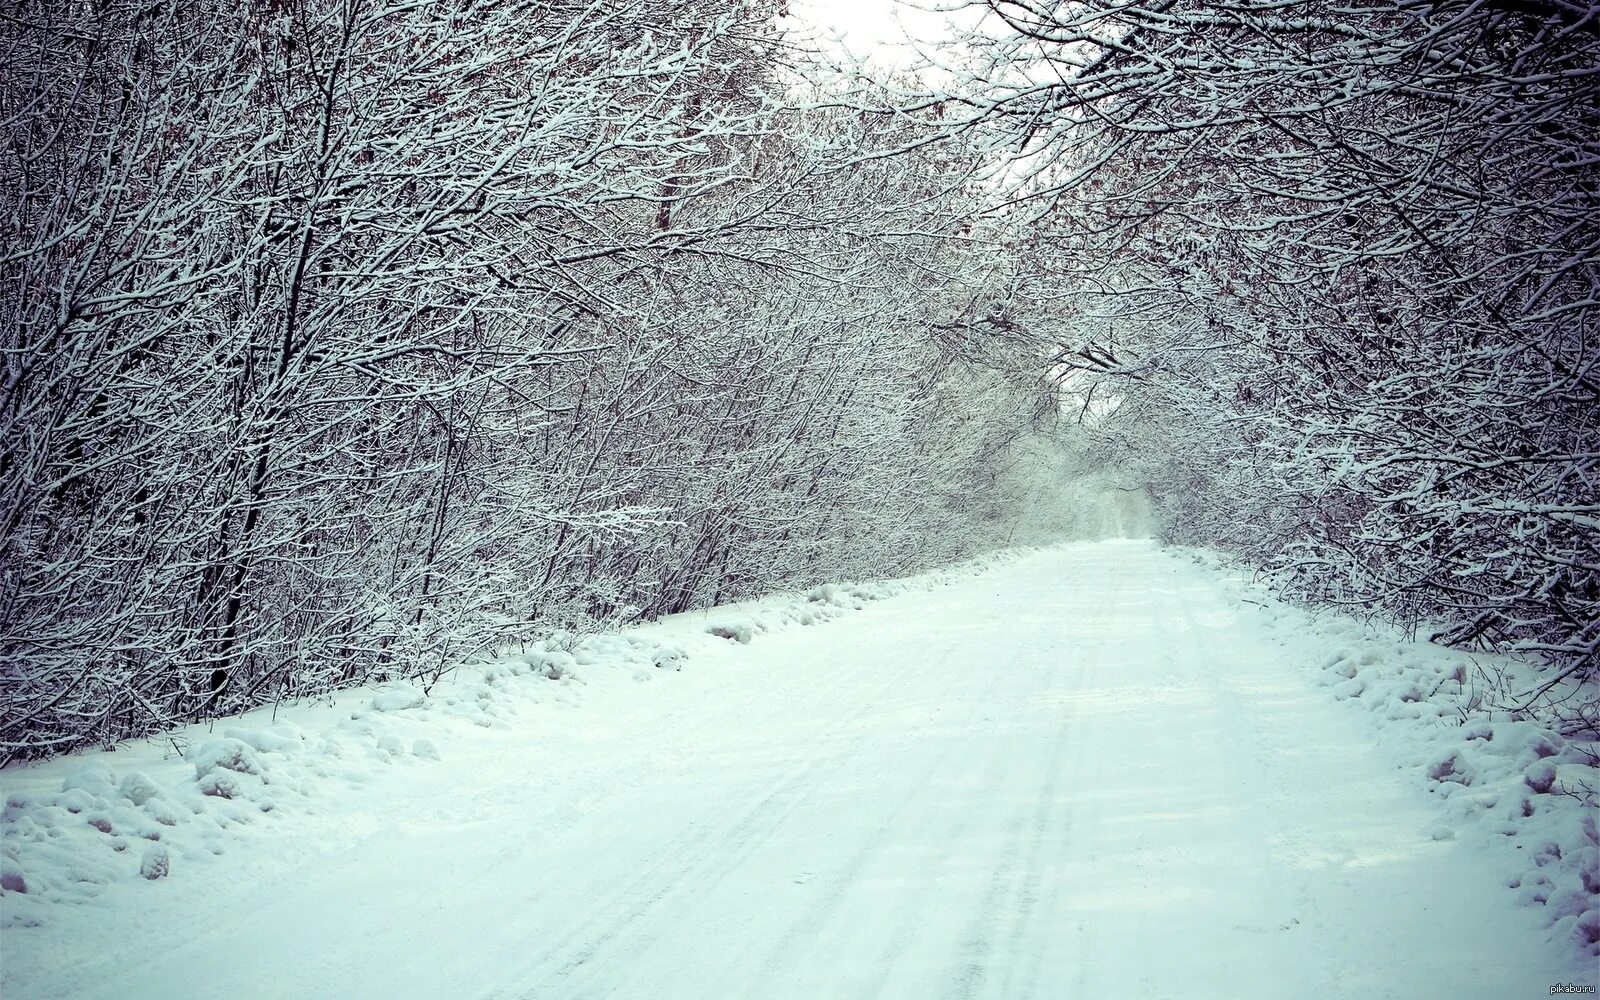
x,y
872,29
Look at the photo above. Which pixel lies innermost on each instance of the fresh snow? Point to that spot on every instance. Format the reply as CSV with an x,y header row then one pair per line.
x,y
1099,770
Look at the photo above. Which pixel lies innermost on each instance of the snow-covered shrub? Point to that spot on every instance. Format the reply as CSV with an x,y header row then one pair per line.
x,y
156,862
739,630
227,754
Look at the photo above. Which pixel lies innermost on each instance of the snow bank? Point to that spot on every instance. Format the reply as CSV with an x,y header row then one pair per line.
x,y
73,826
154,808
1501,777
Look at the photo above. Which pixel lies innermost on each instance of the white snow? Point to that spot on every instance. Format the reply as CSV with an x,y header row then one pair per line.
x,y
397,698
155,863
1102,770
228,753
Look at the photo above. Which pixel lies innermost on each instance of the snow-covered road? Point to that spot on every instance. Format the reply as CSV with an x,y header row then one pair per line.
x,y
1084,774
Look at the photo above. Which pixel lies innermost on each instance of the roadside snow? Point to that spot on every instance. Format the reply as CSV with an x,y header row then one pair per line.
x,y
75,825
1504,781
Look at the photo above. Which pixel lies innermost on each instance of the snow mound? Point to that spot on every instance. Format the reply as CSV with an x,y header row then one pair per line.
x,y
554,664
740,630
228,754
12,878
424,747
222,784
668,658
398,697
276,738
94,778
137,788
156,863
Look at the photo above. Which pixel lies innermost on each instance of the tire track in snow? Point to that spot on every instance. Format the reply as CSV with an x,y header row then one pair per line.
x,y
731,860
677,867
826,909
910,926
1013,896
1050,834
1013,900
714,850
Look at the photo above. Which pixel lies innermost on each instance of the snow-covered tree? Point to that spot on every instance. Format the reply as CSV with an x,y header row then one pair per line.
x,y
349,338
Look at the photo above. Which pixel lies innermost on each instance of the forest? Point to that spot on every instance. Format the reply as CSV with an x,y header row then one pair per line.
x,y
346,340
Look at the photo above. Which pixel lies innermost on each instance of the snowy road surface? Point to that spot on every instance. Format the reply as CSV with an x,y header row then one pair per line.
x,y
1080,775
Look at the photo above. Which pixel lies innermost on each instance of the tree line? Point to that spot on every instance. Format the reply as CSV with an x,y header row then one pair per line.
x,y
349,338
